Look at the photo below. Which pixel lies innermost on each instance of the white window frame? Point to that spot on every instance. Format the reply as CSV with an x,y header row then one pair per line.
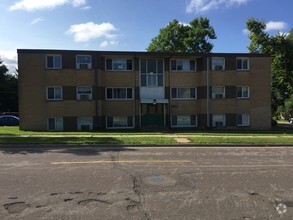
x,y
54,67
84,123
183,118
116,119
189,93
82,95
216,66
121,63
54,87
58,124
216,95
184,63
217,119
242,59
243,92
245,120
113,96
81,65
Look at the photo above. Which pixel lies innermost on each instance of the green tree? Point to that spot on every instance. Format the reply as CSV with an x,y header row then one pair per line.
x,y
288,108
8,90
280,47
191,38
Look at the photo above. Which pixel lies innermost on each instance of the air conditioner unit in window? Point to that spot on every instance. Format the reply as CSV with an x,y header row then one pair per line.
x,y
219,124
218,67
219,96
84,97
119,66
84,66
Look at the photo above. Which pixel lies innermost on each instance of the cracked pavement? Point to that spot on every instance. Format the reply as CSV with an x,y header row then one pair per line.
x,y
146,183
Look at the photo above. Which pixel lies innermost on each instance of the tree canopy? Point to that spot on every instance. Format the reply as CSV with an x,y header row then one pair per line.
x,y
280,47
8,90
178,37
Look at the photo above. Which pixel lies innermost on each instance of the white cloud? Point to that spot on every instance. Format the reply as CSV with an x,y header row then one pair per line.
x,y
91,31
107,43
245,31
37,20
201,6
10,59
272,26
276,26
87,7
33,5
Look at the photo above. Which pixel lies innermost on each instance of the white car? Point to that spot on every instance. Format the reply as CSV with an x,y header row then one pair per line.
x,y
290,120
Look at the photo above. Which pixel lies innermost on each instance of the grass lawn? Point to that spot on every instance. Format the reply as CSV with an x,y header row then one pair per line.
x,y
86,140
12,135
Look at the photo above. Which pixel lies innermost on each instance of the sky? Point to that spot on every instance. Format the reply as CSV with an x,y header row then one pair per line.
x,y
128,25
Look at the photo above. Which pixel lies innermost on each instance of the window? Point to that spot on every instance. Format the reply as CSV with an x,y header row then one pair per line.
x,y
119,93
219,121
120,122
243,92
83,62
151,72
54,93
218,92
184,121
184,93
53,62
55,124
84,123
119,64
243,120
242,63
183,65
84,93
218,63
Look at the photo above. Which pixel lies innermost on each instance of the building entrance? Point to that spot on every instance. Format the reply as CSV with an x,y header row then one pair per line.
x,y
152,115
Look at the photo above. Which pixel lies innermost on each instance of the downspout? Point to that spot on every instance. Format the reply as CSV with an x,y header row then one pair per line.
x,y
97,92
208,92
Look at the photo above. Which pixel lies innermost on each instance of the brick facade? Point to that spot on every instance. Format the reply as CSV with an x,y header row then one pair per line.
x,y
80,90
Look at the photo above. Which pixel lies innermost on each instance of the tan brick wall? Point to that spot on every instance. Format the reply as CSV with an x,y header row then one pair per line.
x,y
35,109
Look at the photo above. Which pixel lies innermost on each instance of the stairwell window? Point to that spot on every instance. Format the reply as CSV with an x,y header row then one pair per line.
x,y
242,63
218,63
151,71
83,62
53,62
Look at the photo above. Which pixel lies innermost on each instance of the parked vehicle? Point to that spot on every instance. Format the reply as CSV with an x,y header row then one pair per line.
x,y
290,120
9,120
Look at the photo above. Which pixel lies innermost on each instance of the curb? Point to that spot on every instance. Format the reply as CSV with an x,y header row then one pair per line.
x,y
59,146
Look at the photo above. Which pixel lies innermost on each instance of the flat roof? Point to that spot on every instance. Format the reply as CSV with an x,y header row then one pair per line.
x,y
134,53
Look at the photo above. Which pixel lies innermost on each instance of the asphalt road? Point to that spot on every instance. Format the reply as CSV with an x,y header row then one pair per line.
x,y
146,183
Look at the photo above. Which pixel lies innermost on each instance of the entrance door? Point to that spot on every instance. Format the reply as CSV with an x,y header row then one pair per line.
x,y
152,115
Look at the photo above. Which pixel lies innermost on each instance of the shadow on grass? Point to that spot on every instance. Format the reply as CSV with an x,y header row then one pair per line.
x,y
78,146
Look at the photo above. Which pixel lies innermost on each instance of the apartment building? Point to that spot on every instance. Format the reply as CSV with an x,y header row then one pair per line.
x,y
92,90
